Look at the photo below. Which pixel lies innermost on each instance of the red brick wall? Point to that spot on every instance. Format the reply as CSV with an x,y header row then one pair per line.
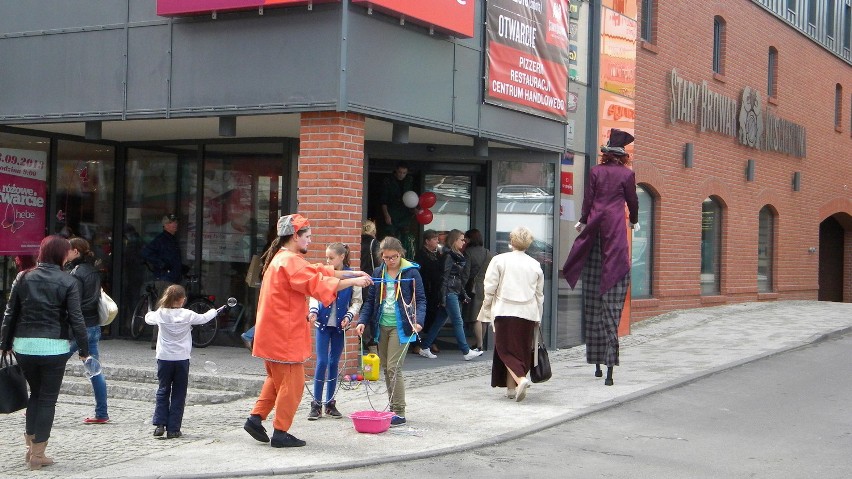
x,y
331,187
807,75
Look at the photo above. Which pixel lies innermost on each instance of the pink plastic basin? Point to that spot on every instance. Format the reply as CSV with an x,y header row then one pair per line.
x,y
371,422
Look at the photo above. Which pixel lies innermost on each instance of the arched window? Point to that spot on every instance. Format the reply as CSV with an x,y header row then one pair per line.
x,y
772,77
719,45
711,247
642,254
765,249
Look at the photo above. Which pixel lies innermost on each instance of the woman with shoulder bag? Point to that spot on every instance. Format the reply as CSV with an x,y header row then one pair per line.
x,y
42,314
82,267
452,294
514,300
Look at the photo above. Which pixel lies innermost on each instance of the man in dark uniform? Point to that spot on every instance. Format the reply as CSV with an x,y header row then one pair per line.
x,y
163,256
398,218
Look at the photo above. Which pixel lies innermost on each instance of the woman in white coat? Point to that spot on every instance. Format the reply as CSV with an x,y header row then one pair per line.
x,y
514,298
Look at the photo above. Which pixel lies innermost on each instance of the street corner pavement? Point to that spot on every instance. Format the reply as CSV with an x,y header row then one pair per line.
x,y
450,406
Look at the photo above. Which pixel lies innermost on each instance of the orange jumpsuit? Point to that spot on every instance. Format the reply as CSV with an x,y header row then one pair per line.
x,y
282,331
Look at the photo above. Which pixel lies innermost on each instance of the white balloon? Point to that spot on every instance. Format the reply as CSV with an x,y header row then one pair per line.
x,y
410,199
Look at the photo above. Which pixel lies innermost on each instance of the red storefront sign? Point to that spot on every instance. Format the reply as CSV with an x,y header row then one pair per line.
x,y
454,17
167,8
528,56
567,184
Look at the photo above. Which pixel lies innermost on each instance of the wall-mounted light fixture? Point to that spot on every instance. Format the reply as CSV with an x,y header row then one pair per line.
x,y
688,155
228,125
797,181
400,133
94,130
749,172
480,147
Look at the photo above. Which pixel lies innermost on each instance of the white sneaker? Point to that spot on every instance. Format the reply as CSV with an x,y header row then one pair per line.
x,y
427,354
473,353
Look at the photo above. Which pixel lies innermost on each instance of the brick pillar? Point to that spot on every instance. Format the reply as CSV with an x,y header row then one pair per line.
x,y
331,189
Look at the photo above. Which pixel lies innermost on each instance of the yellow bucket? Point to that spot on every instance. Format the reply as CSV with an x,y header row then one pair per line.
x,y
370,364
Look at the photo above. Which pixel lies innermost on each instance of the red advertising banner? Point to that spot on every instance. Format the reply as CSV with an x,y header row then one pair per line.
x,y
23,193
567,183
167,8
528,55
454,17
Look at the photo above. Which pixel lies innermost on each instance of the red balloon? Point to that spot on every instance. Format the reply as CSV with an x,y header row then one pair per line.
x,y
428,200
424,216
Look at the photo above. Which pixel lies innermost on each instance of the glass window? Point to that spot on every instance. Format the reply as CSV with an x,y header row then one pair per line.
x,y
812,11
830,8
532,207
838,105
791,5
765,249
718,45
772,87
649,15
642,257
84,199
711,246
23,194
240,205
847,26
452,208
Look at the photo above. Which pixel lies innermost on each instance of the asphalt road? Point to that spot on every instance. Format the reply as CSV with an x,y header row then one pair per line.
x,y
786,416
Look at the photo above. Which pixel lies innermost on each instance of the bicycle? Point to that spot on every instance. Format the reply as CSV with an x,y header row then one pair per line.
x,y
202,335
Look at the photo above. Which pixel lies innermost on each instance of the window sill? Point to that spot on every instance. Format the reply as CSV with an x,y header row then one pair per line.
x,y
838,129
719,77
773,100
645,303
651,47
767,296
713,300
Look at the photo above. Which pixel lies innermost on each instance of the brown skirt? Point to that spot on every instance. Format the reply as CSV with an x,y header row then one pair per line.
x,y
512,348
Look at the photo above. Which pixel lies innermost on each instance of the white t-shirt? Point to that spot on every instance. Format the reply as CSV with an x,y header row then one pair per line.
x,y
174,341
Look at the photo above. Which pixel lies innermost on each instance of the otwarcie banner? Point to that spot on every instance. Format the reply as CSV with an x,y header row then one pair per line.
x,y
23,189
527,49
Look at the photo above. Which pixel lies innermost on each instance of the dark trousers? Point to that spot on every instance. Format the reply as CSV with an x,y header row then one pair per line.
x,y
171,394
44,375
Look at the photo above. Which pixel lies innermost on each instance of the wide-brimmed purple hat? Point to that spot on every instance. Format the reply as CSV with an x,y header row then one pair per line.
x,y
618,139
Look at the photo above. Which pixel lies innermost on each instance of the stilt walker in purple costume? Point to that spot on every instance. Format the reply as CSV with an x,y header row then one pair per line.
x,y
601,254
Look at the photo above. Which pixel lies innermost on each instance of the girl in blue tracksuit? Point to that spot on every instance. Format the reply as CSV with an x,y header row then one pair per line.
x,y
331,321
395,307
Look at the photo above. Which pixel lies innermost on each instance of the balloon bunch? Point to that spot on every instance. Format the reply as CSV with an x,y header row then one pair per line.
x,y
422,203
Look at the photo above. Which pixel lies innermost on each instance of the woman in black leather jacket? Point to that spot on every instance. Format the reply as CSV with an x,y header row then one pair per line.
x,y
41,316
82,267
452,295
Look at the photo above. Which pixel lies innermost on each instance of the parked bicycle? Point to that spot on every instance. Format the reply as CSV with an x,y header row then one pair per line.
x,y
202,335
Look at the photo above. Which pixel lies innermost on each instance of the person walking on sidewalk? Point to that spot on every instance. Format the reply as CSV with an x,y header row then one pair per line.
x,y
331,322
395,309
601,254
42,314
514,300
452,295
82,267
282,331
174,344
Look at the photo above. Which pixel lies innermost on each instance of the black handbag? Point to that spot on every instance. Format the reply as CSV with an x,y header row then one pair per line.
x,y
13,386
541,372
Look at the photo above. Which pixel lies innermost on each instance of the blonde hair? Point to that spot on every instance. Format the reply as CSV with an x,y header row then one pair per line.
x,y
521,238
452,237
171,296
369,228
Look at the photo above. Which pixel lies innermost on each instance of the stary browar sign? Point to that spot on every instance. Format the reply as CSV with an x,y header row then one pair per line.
x,y
528,54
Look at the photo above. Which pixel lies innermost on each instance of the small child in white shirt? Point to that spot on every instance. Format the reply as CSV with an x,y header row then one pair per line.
x,y
173,347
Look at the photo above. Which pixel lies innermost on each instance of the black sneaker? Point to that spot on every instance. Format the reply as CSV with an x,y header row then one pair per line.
x,y
159,430
397,421
331,410
255,428
285,439
173,434
316,411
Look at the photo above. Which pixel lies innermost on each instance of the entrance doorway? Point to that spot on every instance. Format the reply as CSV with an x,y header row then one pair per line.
x,y
831,257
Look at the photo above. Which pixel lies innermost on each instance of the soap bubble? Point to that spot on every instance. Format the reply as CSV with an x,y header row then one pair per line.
x,y
211,367
91,367
232,301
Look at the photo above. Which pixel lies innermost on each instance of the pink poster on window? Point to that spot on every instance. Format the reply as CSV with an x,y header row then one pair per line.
x,y
23,192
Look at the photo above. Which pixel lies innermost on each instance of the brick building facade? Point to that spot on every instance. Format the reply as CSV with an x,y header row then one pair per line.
x,y
682,163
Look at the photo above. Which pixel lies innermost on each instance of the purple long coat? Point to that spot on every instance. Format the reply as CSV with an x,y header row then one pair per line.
x,y
610,186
